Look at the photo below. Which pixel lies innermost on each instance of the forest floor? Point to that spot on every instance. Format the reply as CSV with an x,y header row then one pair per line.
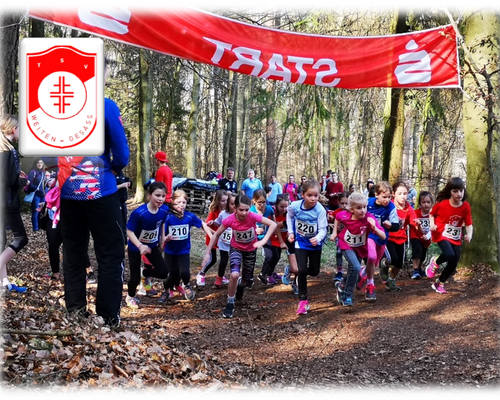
x,y
412,340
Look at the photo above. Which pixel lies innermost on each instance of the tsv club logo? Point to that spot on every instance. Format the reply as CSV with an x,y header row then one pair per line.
x,y
63,101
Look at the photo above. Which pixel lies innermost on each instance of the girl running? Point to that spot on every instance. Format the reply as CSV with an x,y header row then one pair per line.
x,y
217,205
447,219
307,228
224,240
178,246
279,242
396,242
386,214
351,230
343,206
420,235
242,252
146,237
259,206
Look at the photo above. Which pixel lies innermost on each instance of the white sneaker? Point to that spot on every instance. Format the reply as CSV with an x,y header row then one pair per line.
x,y
200,280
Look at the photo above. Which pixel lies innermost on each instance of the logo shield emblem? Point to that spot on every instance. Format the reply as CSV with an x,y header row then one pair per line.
x,y
61,95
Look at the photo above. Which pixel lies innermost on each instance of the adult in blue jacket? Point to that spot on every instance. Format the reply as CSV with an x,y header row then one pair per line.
x,y
90,205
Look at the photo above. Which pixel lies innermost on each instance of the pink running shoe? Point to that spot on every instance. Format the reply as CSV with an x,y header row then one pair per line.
x,y
225,281
179,289
219,281
361,282
303,307
432,268
439,287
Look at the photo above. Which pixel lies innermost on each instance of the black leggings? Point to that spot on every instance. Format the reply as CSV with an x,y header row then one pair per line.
x,y
303,257
211,262
418,251
397,253
13,220
179,266
224,258
157,269
272,255
449,253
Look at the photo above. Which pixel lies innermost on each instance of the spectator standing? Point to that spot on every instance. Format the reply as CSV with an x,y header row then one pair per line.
x,y
164,174
90,205
251,184
275,190
228,183
333,190
412,194
11,179
369,185
36,178
303,178
291,188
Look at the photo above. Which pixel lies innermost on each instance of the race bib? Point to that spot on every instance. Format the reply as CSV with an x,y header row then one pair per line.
x,y
425,224
149,236
355,240
244,236
306,229
452,232
226,236
179,232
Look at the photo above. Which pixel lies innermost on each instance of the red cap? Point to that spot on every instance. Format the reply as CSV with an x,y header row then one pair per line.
x,y
161,156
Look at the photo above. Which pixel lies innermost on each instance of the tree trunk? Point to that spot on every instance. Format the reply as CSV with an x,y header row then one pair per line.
x,y
9,39
482,136
192,125
145,126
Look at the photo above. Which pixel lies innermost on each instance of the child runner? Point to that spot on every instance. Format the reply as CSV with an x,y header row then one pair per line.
x,y
307,227
279,242
242,252
396,242
343,204
217,205
259,206
351,230
178,246
447,218
420,235
386,214
225,239
146,238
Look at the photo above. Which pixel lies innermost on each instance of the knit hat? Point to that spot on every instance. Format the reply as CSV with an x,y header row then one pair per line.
x,y
161,156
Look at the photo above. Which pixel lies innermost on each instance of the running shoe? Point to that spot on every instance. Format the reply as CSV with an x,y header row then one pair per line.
x,y
189,293
285,279
228,311
422,273
338,276
303,307
361,282
383,270
165,297
131,302
11,287
91,277
200,280
218,281
340,293
348,302
239,290
249,284
225,281
391,285
431,269
277,277
295,288
272,280
263,279
370,292
439,287
415,274
179,289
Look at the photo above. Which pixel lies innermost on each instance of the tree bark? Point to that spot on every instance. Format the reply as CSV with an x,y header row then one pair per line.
x,y
9,39
480,121
192,125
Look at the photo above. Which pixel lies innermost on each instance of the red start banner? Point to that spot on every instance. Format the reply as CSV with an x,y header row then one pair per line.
x,y
419,59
